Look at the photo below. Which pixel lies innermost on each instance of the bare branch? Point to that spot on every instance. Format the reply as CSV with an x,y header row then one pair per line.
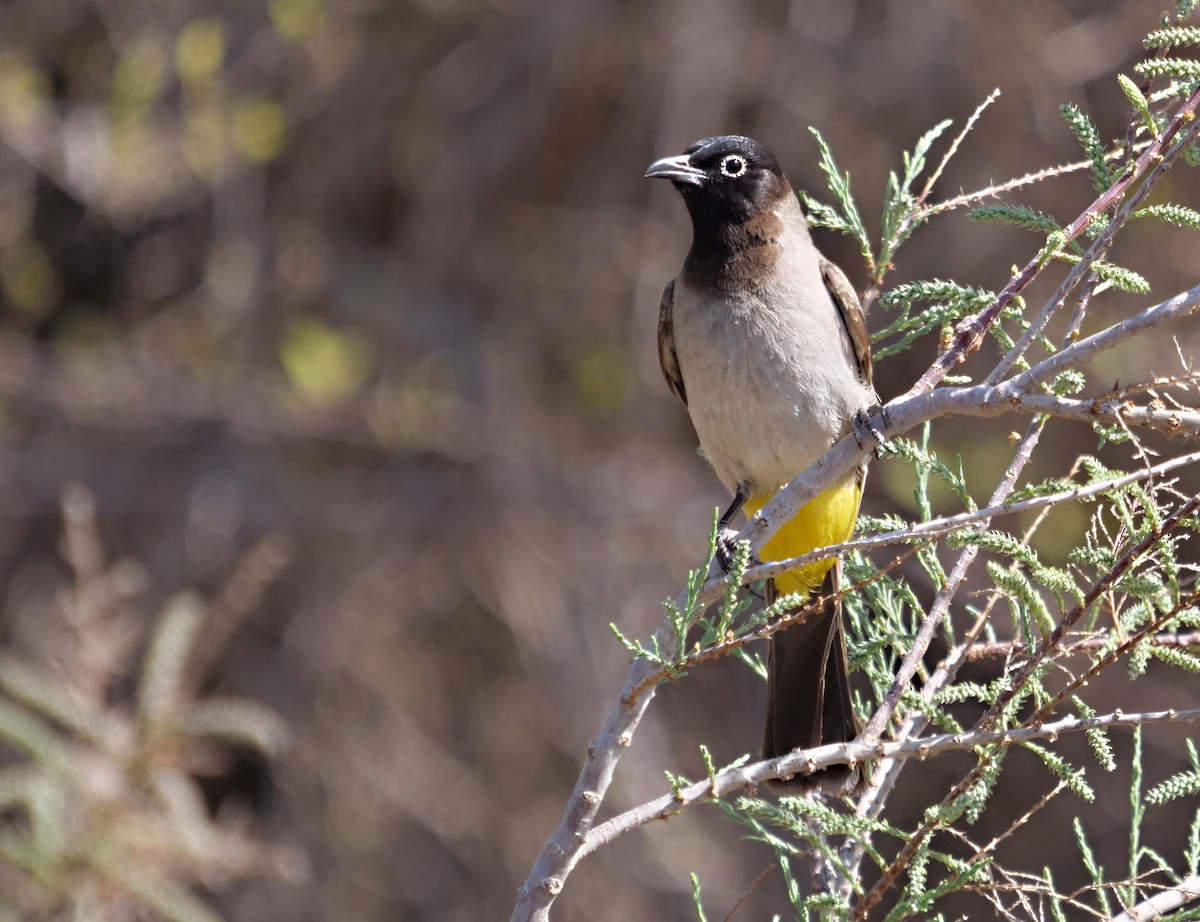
x,y
804,761
1178,307
1162,903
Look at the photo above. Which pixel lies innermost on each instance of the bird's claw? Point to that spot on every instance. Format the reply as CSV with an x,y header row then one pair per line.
x,y
871,425
727,547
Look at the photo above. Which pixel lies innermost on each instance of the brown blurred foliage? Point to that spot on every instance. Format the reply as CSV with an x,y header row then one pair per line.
x,y
382,278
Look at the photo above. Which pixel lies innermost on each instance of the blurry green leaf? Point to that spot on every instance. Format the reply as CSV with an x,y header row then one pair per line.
x,y
23,90
417,410
324,364
205,144
238,720
166,658
297,20
848,221
140,75
199,50
602,376
258,130
29,279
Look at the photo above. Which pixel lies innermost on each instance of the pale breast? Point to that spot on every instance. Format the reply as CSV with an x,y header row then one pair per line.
x,y
770,376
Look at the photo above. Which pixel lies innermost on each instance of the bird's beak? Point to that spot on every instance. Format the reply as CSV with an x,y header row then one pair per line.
x,y
676,169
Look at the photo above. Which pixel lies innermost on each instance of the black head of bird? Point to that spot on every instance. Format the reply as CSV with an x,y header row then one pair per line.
x,y
726,179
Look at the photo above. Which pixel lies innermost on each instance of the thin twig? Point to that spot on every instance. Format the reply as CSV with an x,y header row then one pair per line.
x,y
754,885
923,213
995,191
1016,648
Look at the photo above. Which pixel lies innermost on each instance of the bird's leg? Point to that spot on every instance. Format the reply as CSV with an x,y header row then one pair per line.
x,y
727,536
866,428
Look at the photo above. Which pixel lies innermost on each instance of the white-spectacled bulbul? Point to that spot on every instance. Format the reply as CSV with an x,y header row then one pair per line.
x,y
765,342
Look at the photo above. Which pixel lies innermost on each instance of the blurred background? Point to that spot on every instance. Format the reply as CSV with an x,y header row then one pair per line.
x,y
376,283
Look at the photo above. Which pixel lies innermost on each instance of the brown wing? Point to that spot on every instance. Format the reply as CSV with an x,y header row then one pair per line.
x,y
666,343
846,301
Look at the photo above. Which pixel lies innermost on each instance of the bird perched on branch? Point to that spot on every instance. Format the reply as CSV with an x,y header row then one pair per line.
x,y
765,342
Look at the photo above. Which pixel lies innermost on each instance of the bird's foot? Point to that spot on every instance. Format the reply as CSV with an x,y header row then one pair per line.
x,y
727,546
727,549
871,425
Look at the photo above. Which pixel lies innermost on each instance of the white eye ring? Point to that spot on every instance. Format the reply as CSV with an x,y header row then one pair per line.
x,y
734,166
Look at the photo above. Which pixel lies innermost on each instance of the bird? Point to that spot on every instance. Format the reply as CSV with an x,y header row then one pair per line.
x,y
765,342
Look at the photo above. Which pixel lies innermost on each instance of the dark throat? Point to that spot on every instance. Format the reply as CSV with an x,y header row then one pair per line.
x,y
733,256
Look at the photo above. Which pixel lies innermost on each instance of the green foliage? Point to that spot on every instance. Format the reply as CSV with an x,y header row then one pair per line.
x,y
975,799
947,301
846,218
1179,785
680,619
1140,104
926,464
1031,618
1174,37
1073,777
1117,276
1095,870
1017,215
1184,68
899,202
1069,382
1089,139
1097,738
111,816
697,902
1179,215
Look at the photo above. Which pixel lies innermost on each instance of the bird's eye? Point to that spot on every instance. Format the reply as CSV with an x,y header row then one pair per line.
x,y
733,165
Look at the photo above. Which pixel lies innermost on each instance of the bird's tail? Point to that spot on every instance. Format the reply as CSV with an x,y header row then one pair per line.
x,y
808,697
